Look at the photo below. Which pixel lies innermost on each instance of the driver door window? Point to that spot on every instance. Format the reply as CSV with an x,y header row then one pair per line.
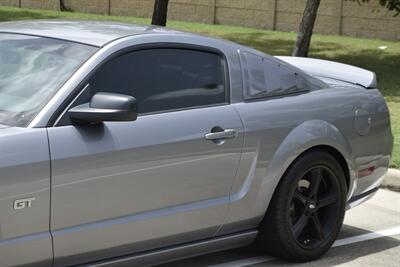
x,y
164,79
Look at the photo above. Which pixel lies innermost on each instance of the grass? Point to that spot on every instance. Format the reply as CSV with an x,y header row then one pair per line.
x,y
355,51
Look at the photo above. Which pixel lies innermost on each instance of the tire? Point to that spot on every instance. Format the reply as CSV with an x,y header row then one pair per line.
x,y
290,228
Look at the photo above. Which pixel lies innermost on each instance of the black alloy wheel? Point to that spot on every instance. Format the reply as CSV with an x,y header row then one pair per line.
x,y
307,209
315,207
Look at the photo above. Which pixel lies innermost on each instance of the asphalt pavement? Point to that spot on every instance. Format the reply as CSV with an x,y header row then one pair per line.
x,y
370,237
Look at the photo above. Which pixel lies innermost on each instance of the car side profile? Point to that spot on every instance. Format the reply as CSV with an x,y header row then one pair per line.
x,y
127,145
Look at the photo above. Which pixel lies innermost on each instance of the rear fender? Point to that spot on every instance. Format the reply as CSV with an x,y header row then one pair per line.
x,y
249,204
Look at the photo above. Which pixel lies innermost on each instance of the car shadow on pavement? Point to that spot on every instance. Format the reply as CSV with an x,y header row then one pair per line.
x,y
369,250
335,256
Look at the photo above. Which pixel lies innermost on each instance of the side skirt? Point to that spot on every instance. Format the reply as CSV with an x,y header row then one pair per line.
x,y
181,252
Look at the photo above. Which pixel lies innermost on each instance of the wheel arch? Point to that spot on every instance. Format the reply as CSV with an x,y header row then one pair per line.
x,y
306,137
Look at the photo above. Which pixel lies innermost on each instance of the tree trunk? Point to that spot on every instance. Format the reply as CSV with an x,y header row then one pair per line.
x,y
160,13
306,28
62,6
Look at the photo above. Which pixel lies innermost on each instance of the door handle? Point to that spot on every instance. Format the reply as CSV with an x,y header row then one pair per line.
x,y
225,134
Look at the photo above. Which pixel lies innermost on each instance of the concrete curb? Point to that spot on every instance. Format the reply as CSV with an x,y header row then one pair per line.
x,y
392,180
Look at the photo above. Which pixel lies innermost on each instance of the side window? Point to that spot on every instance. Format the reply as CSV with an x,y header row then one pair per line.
x,y
164,79
290,80
254,75
273,79
263,77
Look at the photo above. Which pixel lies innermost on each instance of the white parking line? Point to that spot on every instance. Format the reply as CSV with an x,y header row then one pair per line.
x,y
341,242
244,262
369,236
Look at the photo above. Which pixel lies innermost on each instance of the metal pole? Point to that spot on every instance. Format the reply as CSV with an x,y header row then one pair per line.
x,y
274,15
341,17
214,11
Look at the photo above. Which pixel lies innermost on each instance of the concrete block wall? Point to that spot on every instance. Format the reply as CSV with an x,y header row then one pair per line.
x,y
40,4
195,11
338,17
370,20
37,4
255,13
289,14
88,6
136,8
9,3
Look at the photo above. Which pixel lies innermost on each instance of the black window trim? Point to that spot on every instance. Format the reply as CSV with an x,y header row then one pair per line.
x,y
277,95
78,91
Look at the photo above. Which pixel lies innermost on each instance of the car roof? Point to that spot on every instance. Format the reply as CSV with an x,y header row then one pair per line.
x,y
95,33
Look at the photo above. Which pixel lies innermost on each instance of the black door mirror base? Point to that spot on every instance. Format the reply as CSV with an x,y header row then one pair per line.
x,y
105,107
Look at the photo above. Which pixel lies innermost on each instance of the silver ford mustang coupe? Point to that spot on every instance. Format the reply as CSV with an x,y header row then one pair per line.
x,y
126,145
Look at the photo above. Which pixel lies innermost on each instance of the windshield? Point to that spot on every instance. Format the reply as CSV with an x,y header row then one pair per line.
x,y
32,69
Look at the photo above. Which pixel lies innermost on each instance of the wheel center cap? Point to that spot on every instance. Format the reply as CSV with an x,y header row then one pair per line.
x,y
312,205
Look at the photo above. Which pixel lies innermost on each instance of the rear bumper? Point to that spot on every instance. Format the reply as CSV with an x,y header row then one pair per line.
x,y
361,198
366,187
380,167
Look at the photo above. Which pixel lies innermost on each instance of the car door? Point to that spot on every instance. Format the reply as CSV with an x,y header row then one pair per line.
x,y
125,187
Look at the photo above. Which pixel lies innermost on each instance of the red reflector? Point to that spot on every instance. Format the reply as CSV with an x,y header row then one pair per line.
x,y
366,172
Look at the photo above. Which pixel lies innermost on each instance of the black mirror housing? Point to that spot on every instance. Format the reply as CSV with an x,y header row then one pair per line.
x,y
105,107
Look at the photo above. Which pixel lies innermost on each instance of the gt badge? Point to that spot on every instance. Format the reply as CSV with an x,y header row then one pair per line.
x,y
20,204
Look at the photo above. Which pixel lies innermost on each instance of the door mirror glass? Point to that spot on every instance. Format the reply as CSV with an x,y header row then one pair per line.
x,y
105,107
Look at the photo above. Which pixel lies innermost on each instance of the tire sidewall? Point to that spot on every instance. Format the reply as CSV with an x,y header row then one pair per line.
x,y
295,173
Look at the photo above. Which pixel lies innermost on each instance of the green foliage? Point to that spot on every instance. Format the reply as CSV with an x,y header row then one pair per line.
x,y
392,5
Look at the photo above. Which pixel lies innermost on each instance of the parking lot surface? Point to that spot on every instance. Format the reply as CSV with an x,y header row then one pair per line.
x,y
370,237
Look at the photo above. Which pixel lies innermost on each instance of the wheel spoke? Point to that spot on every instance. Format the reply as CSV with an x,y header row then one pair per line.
x,y
298,227
315,181
327,200
300,197
317,226
314,206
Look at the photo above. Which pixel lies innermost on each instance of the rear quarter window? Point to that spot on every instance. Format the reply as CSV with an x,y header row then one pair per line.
x,y
264,77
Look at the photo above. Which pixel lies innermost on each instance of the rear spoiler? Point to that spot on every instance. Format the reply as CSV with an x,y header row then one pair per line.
x,y
333,70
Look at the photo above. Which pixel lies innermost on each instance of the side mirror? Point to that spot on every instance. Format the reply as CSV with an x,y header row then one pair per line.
x,y
105,107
